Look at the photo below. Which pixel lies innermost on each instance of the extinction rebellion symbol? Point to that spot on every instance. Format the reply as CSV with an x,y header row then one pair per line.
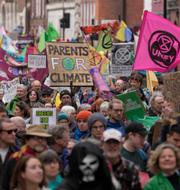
x,y
163,48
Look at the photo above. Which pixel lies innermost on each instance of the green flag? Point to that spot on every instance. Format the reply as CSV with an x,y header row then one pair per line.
x,y
51,33
148,121
42,42
133,106
104,42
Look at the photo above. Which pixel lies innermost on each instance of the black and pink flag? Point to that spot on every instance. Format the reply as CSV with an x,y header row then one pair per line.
x,y
158,46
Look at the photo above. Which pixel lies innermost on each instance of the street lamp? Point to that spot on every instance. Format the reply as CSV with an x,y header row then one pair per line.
x,y
165,9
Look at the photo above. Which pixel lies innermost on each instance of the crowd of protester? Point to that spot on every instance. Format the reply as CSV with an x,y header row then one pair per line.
x,y
93,145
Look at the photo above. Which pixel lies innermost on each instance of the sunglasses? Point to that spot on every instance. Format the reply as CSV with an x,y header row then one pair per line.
x,y
10,131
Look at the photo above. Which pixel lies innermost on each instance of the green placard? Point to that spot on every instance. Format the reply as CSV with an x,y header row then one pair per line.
x,y
133,105
148,121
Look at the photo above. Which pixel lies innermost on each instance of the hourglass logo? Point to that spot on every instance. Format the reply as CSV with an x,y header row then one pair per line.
x,y
163,48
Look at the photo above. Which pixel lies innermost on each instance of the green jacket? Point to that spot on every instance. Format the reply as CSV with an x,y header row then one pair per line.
x,y
159,182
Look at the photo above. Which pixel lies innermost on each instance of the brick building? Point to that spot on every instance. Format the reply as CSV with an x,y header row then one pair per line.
x,y
131,11
126,10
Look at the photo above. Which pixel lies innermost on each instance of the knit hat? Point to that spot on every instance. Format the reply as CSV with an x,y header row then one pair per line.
x,y
61,116
96,117
64,92
83,115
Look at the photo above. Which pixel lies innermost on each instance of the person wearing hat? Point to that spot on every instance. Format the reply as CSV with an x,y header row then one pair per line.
x,y
35,143
62,119
66,99
97,124
71,112
82,130
133,146
126,174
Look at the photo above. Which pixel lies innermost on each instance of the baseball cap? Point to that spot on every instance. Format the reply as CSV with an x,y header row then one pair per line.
x,y
112,134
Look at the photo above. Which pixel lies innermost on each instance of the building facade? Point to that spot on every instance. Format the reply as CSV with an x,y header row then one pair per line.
x,y
37,15
29,14
8,16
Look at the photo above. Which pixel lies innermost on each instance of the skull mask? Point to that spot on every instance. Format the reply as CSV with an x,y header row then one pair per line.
x,y
88,167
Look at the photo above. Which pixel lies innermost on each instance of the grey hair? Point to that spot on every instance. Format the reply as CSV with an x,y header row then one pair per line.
x,y
22,86
153,97
104,105
18,120
84,106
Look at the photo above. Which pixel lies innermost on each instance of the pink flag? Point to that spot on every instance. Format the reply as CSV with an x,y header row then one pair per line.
x,y
36,73
158,46
5,68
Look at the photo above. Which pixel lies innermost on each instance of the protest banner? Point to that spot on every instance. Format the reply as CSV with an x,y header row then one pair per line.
x,y
133,106
100,84
171,89
37,61
97,28
23,41
45,116
68,62
122,58
9,88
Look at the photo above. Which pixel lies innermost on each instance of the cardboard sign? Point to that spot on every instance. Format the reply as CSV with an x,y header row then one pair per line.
x,y
122,58
68,62
171,89
44,116
9,88
133,105
37,61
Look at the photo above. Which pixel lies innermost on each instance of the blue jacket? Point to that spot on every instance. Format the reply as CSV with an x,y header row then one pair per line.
x,y
117,125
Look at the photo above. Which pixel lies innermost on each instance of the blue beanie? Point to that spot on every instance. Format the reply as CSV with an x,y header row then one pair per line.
x,y
62,115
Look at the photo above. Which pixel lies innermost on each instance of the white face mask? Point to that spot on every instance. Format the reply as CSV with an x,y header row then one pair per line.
x,y
88,167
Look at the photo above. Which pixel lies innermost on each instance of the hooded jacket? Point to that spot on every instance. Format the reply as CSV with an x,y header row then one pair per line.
x,y
74,181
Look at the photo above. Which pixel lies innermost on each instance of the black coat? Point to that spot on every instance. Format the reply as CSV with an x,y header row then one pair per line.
x,y
11,150
73,180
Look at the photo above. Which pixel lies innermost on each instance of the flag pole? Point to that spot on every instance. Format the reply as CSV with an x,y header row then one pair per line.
x,y
165,9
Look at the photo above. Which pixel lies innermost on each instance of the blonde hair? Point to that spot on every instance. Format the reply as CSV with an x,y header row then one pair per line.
x,y
153,162
115,101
